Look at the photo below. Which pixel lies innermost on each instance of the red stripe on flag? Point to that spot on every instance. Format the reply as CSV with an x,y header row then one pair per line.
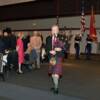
x,y
82,22
92,30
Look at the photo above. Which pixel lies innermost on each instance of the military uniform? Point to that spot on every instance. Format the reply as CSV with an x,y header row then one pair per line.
x,y
77,46
88,48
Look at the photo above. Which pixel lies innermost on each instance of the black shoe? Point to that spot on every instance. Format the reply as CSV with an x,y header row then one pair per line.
x,y
19,72
56,91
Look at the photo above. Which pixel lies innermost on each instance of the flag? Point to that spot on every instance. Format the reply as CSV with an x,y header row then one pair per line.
x,y
82,19
92,31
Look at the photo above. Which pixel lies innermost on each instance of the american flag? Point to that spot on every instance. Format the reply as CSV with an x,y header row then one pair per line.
x,y
82,19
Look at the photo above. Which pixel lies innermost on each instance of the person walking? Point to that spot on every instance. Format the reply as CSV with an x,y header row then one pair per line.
x,y
56,55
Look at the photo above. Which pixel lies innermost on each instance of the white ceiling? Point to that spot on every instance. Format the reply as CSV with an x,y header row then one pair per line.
x,y
8,2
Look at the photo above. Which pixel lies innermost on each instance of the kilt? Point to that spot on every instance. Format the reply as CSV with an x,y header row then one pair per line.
x,y
56,69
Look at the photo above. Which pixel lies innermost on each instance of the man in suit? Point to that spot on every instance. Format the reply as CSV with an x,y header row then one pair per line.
x,y
55,47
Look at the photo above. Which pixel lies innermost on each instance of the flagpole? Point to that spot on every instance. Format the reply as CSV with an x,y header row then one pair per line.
x,y
82,29
57,10
57,18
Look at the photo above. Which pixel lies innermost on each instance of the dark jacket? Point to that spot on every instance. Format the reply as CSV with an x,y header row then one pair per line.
x,y
2,46
49,45
89,42
77,42
13,42
26,40
7,42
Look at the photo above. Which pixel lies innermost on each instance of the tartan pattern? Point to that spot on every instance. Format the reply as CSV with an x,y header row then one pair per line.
x,y
56,69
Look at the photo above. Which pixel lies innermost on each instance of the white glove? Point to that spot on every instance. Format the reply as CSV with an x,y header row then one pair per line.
x,y
53,52
58,49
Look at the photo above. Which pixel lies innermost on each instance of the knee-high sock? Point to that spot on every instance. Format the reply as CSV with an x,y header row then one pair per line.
x,y
55,78
19,68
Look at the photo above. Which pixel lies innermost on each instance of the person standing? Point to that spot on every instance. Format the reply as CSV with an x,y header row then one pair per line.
x,y
2,48
26,40
77,46
36,43
56,55
13,41
20,50
2,45
88,47
6,40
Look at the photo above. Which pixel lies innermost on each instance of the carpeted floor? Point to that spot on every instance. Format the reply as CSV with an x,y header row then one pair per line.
x,y
81,81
